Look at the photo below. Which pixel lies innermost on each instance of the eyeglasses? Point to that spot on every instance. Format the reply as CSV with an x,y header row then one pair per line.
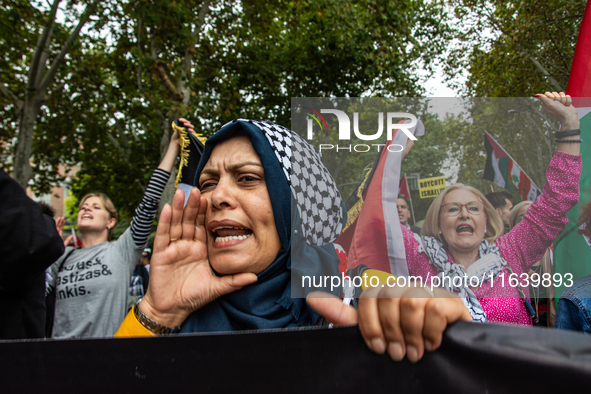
x,y
454,208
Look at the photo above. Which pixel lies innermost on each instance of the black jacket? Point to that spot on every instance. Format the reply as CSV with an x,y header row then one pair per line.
x,y
415,229
29,243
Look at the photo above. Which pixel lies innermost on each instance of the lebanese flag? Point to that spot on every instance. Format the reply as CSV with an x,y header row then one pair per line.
x,y
501,169
572,255
374,238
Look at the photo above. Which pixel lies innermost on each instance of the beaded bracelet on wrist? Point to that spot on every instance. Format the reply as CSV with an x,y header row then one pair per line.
x,y
151,325
566,133
569,141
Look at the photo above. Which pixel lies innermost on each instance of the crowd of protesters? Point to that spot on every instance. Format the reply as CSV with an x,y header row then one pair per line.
x,y
222,256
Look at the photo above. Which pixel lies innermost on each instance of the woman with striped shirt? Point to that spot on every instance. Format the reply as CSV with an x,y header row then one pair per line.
x,y
92,282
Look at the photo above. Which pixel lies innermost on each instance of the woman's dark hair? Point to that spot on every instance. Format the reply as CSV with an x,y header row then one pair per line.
x,y
498,199
46,209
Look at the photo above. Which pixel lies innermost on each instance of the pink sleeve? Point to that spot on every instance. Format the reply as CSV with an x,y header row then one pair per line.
x,y
418,263
546,217
411,245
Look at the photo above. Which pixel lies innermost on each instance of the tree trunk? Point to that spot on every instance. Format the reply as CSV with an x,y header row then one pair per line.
x,y
168,192
39,80
182,94
22,171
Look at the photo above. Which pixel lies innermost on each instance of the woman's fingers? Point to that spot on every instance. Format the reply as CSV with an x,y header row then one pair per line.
x,y
369,320
176,228
400,320
561,97
439,313
59,225
559,105
390,322
407,320
412,318
200,231
409,144
187,223
435,323
187,124
229,283
163,230
332,308
190,214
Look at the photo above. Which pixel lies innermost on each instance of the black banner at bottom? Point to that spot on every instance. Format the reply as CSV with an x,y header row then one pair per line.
x,y
474,358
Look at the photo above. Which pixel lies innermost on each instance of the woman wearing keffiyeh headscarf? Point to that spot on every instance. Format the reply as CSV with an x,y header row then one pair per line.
x,y
264,213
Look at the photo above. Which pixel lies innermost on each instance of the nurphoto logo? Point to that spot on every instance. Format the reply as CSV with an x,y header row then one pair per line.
x,y
344,128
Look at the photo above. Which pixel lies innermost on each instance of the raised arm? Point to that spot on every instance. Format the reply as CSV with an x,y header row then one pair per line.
x,y
560,106
146,211
546,218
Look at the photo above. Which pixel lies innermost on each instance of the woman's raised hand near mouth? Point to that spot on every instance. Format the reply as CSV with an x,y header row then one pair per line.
x,y
181,279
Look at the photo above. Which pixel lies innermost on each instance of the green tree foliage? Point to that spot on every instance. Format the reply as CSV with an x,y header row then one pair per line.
x,y
508,49
519,125
428,157
45,66
514,48
144,63
18,19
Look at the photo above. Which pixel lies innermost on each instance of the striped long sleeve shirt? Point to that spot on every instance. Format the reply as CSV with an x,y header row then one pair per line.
x,y
141,224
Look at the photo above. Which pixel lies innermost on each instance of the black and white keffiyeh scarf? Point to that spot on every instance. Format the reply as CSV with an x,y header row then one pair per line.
x,y
488,266
309,215
316,196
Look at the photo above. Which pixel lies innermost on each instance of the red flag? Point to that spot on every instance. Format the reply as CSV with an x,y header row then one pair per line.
x,y
404,187
579,80
378,244
572,255
369,247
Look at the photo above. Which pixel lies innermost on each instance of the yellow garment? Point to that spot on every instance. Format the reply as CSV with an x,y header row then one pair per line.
x,y
131,327
381,275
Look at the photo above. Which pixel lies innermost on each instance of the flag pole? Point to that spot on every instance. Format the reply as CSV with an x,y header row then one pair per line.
x,y
414,221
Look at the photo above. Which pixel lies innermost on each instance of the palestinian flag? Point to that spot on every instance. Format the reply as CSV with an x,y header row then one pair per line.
x,y
572,254
192,146
373,236
504,171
